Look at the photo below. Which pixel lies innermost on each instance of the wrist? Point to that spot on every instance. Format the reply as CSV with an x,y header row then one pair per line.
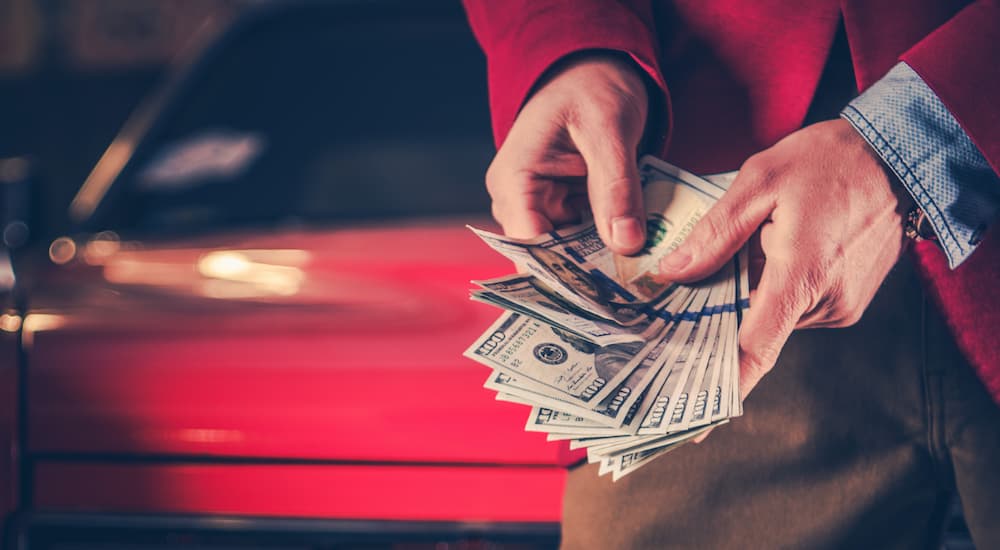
x,y
611,66
905,206
590,72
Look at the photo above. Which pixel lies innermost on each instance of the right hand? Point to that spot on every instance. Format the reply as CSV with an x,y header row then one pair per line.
x,y
573,145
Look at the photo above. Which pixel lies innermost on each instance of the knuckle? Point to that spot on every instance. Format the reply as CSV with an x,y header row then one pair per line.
x,y
494,178
845,305
613,120
753,169
814,282
619,187
758,171
574,115
498,212
502,181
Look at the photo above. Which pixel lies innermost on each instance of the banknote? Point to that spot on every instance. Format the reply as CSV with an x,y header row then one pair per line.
x,y
527,294
575,263
573,367
610,356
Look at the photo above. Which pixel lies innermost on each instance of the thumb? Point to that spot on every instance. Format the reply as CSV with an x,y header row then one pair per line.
x,y
718,236
613,186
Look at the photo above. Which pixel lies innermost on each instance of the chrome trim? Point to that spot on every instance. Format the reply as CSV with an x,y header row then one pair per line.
x,y
138,125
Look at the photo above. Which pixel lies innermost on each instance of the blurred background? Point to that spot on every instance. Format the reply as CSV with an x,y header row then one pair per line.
x,y
71,73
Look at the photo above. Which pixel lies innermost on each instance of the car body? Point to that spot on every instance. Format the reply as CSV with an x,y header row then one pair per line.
x,y
256,332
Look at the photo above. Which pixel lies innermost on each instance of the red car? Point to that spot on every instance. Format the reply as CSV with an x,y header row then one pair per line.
x,y
255,336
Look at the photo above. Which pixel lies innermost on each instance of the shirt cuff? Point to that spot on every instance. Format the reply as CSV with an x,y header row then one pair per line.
x,y
919,139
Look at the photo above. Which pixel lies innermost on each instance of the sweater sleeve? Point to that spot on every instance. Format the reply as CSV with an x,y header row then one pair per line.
x,y
958,61
523,38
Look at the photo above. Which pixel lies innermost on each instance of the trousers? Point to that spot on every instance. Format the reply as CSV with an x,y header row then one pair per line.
x,y
858,438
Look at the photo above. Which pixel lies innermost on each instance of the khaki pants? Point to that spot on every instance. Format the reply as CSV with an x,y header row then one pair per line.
x,y
858,438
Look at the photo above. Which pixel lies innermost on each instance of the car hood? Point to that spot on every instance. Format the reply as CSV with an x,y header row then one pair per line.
x,y
332,344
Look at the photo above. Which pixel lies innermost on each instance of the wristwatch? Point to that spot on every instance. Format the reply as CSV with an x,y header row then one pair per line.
x,y
917,227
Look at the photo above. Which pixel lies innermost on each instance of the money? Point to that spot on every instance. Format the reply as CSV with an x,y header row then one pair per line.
x,y
527,294
609,355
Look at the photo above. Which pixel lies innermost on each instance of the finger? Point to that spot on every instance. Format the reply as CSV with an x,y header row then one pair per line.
x,y
526,204
717,237
528,223
703,436
779,302
609,150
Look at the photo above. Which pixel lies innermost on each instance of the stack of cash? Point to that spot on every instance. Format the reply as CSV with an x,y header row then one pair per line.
x,y
608,354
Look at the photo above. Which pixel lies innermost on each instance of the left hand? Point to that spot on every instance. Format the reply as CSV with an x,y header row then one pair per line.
x,y
830,216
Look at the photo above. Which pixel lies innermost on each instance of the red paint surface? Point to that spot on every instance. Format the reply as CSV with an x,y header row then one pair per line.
x,y
430,493
362,364
291,396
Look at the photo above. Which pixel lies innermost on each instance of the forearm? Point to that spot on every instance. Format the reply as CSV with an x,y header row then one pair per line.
x,y
523,39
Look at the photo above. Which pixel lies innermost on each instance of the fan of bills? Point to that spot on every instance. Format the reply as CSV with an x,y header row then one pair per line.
x,y
608,354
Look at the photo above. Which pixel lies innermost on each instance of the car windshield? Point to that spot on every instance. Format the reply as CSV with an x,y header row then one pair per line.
x,y
313,116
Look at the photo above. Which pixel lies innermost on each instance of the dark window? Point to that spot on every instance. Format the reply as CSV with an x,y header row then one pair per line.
x,y
317,114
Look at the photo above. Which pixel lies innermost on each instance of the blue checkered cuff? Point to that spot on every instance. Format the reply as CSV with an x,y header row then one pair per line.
x,y
916,135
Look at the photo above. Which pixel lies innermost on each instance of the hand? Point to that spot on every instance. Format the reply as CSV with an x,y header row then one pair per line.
x,y
830,217
573,147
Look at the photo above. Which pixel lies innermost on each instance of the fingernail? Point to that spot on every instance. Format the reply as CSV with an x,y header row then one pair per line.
x,y
676,260
626,232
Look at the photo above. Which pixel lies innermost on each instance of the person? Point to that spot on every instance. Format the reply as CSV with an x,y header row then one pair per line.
x,y
857,128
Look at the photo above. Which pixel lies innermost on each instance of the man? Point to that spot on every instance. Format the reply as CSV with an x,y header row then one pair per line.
x,y
857,437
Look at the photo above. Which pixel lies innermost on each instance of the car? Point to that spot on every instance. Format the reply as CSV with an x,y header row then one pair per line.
x,y
254,334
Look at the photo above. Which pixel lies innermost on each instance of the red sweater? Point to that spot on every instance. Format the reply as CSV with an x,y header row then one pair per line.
x,y
738,75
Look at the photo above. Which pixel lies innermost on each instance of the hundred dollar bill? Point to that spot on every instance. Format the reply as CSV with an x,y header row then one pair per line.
x,y
660,412
644,375
620,465
544,419
548,258
617,447
622,404
614,410
719,386
574,369
684,336
608,354
533,394
709,357
720,402
608,445
713,186
525,293
527,392
677,388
